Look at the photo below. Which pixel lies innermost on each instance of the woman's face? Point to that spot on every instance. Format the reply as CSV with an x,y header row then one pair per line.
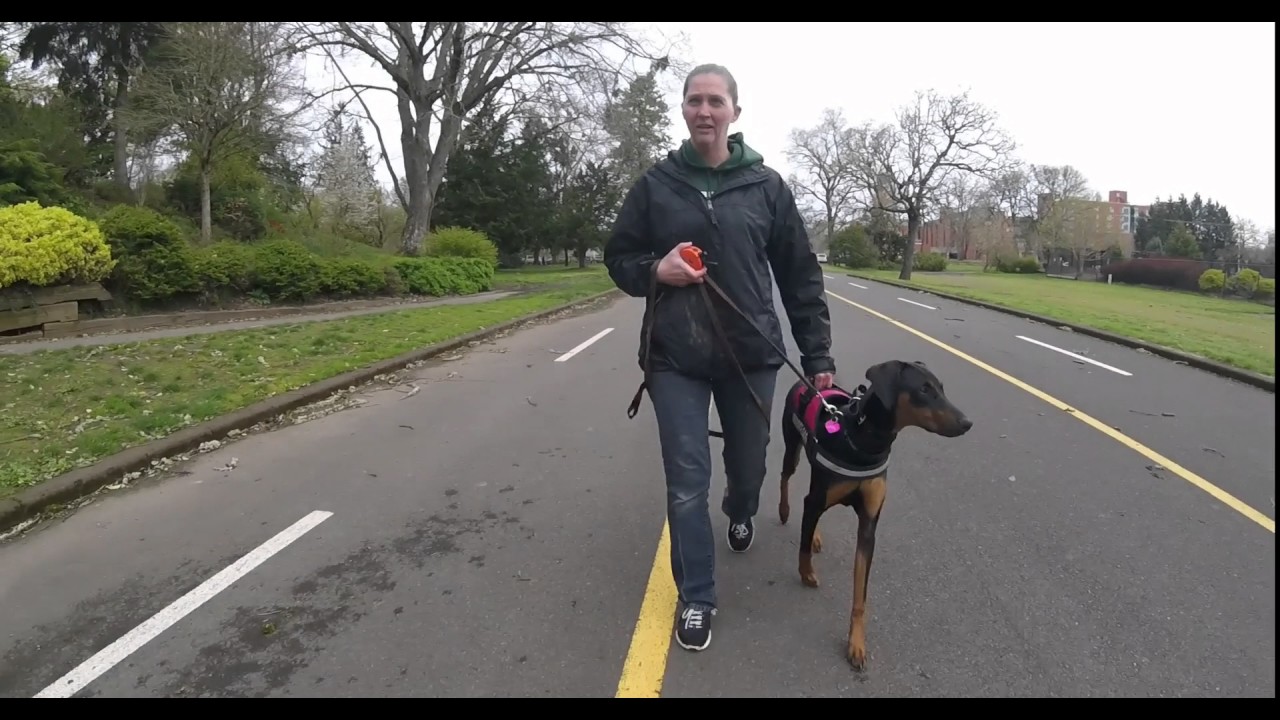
x,y
709,110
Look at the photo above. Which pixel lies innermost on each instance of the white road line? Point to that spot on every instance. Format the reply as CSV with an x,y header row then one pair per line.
x,y
107,658
1081,358
913,302
827,276
586,344
864,287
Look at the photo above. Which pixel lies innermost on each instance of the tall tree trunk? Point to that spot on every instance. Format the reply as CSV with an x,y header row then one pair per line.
x,y
206,208
120,163
909,255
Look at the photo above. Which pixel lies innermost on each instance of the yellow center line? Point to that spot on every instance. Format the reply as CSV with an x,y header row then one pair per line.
x,y
1222,495
646,665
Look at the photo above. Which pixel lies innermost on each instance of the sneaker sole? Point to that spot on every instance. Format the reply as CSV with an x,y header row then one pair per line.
x,y
750,542
694,648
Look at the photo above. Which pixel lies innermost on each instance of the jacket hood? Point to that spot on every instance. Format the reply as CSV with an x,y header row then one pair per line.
x,y
708,179
740,155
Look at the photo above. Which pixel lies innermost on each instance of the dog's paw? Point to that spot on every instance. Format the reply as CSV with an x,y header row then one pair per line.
x,y
807,574
856,654
784,511
816,543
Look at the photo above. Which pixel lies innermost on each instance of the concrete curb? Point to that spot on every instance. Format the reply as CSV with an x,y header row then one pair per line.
x,y
74,485
1248,377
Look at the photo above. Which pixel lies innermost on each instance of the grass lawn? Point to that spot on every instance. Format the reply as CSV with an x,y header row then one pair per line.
x,y
65,409
1235,332
541,277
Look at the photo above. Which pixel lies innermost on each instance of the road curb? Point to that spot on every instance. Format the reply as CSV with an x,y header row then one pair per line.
x,y
79,483
1248,377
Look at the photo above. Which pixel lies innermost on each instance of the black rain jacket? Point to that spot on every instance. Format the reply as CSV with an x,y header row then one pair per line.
x,y
745,219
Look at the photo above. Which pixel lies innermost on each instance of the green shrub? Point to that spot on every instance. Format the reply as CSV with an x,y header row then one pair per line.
x,y
1212,280
462,243
225,269
285,270
156,263
445,276
44,246
351,277
929,262
1026,265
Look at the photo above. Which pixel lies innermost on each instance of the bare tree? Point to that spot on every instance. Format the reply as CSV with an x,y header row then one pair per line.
x,y
1079,224
1052,186
821,156
441,72
1250,242
903,166
1013,193
962,203
221,88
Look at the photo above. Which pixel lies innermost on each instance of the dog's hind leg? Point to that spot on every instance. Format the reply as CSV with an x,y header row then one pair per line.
x,y
815,503
790,461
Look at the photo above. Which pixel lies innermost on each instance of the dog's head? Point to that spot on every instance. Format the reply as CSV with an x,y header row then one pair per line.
x,y
913,395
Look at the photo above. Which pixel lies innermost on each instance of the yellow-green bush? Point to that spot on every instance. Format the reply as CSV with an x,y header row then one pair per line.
x,y
463,243
1266,289
45,246
1212,279
1245,282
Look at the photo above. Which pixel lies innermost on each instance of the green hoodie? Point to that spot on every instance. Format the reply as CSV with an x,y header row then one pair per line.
x,y
709,179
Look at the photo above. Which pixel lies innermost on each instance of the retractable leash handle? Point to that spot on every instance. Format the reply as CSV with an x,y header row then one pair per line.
x,y
693,256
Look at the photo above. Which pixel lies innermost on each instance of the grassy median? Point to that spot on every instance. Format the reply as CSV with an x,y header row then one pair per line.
x,y
65,409
1235,332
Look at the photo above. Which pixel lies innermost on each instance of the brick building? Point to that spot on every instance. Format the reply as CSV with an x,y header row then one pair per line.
x,y
946,234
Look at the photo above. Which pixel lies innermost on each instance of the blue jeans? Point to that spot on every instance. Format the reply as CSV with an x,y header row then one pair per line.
x,y
681,404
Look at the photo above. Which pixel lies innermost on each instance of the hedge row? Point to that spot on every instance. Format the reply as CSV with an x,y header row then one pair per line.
x,y
1190,275
143,256
285,271
1248,283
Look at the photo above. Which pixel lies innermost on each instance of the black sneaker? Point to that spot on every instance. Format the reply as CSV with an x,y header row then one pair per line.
x,y
740,535
693,631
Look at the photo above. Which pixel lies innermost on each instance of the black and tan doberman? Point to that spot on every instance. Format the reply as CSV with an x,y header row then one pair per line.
x,y
847,438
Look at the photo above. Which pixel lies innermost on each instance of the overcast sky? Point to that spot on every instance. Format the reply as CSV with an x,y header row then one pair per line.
x,y
1156,109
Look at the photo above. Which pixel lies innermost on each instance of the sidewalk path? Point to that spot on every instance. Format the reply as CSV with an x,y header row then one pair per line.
x,y
117,338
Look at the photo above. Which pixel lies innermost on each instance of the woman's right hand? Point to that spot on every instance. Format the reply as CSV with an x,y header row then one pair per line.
x,y
673,270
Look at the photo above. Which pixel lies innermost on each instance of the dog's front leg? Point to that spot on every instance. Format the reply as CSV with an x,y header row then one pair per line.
x,y
868,504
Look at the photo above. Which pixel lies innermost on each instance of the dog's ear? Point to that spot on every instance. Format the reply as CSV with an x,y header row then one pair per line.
x,y
884,379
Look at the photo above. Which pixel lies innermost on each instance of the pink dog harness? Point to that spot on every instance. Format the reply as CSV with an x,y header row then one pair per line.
x,y
810,417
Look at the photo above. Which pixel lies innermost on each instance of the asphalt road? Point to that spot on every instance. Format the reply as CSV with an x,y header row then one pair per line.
x,y
493,535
